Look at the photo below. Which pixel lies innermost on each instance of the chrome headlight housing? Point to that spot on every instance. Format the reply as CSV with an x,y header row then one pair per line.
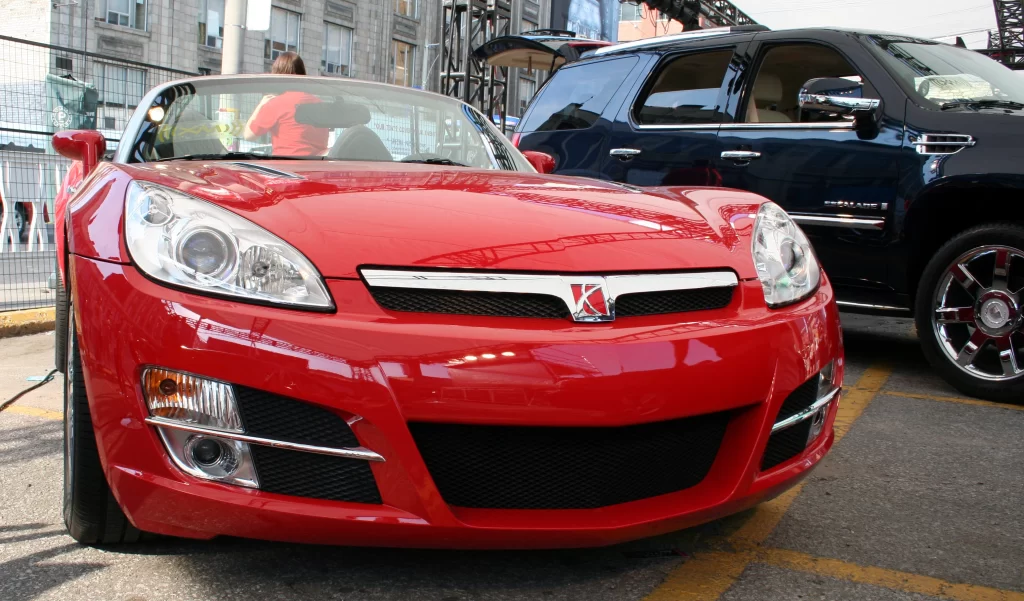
x,y
184,241
783,258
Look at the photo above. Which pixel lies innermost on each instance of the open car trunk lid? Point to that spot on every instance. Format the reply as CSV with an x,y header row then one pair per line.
x,y
543,49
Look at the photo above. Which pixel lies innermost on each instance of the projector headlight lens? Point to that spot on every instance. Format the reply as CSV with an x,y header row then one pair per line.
x,y
783,258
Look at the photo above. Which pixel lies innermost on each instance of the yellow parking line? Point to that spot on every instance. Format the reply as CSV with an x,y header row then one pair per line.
x,y
953,399
706,576
853,402
891,579
44,413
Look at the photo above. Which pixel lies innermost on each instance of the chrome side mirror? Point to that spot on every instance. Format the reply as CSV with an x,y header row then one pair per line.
x,y
836,95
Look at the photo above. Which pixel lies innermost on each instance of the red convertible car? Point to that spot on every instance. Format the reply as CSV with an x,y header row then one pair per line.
x,y
407,336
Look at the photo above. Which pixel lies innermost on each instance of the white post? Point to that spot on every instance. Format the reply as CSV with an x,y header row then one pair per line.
x,y
7,233
234,37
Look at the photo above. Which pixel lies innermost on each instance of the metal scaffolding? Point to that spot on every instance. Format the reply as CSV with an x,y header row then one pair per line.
x,y
1007,43
467,25
720,13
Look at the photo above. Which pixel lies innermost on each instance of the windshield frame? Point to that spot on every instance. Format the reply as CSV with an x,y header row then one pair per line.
x,y
138,123
888,62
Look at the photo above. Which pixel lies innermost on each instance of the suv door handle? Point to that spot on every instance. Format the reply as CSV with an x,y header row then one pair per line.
x,y
740,155
624,154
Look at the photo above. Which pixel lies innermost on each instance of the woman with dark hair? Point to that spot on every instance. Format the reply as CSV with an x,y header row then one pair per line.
x,y
276,114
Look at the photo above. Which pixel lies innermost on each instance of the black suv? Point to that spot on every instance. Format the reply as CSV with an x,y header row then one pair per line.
x,y
902,159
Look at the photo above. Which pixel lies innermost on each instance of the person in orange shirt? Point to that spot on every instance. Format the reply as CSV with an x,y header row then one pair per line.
x,y
276,114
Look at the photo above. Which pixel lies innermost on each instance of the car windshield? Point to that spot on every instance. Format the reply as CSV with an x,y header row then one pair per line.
x,y
940,76
316,118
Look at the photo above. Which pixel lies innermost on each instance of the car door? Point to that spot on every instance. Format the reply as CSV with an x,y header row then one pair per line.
x,y
668,133
836,176
566,119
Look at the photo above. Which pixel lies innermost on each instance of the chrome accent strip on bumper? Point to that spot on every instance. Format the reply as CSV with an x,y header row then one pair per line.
x,y
806,413
551,285
349,453
857,223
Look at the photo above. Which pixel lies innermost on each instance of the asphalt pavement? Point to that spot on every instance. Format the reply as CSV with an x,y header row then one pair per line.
x,y
921,498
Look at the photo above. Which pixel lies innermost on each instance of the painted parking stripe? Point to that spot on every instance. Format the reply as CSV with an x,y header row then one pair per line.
x,y
33,411
706,576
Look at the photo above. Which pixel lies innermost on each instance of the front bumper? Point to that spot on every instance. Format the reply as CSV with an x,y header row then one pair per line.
x,y
390,369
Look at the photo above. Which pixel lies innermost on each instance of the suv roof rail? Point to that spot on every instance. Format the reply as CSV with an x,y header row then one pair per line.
x,y
551,32
679,37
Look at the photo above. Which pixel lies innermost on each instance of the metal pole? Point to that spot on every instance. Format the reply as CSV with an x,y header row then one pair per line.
x,y
234,37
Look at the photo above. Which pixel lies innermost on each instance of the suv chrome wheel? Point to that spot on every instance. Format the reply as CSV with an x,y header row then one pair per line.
x,y
978,317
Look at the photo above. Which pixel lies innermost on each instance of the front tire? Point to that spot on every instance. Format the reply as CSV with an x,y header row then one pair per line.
x,y
91,514
970,312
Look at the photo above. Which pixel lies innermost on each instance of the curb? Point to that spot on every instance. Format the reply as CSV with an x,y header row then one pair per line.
x,y
27,321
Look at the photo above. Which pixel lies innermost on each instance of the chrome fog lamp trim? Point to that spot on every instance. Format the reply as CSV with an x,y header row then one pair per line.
x,y
238,469
350,453
806,413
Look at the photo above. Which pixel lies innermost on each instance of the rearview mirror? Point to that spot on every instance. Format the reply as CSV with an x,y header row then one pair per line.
x,y
836,95
541,161
85,145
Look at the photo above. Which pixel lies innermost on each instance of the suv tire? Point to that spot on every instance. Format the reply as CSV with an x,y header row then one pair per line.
x,y
970,312
91,514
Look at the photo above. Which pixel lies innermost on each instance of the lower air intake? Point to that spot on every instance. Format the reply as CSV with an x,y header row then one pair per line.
x,y
314,476
515,467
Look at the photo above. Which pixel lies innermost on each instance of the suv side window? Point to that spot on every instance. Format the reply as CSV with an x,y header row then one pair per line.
x,y
576,96
685,91
782,73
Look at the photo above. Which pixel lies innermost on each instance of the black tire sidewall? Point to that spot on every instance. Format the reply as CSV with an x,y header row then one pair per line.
x,y
1007,234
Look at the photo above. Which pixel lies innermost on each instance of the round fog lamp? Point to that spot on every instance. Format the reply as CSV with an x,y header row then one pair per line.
x,y
206,452
213,456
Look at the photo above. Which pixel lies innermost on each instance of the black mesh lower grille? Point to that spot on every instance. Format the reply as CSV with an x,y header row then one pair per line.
x,y
297,473
281,418
513,467
786,444
314,476
456,302
672,301
800,399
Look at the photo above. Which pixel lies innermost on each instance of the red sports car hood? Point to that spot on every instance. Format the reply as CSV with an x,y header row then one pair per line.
x,y
343,215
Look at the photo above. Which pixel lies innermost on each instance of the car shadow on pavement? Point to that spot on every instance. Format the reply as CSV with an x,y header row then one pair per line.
x,y
29,576
27,443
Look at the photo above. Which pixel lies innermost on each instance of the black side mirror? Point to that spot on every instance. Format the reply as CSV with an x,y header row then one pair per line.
x,y
836,95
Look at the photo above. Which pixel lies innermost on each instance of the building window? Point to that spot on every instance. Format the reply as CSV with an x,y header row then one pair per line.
x,y
120,86
283,35
109,123
211,23
337,49
402,56
406,8
630,12
525,26
527,90
126,13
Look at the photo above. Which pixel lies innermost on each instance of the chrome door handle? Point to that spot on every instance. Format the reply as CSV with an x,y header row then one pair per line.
x,y
740,155
624,154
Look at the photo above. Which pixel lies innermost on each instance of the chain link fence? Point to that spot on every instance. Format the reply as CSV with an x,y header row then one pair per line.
x,y
45,89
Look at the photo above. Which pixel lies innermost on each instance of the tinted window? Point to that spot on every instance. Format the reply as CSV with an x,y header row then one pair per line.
x,y
685,91
576,96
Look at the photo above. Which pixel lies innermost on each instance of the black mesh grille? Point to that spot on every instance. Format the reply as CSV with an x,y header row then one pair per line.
x,y
512,467
457,302
281,418
800,399
672,301
497,304
315,476
786,444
